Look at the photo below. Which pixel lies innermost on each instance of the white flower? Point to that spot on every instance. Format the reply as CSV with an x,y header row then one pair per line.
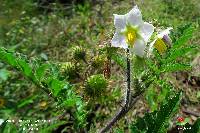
x,y
131,31
162,40
1,121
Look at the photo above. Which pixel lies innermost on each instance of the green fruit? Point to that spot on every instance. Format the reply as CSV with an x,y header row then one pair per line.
x,y
79,53
98,61
69,69
95,85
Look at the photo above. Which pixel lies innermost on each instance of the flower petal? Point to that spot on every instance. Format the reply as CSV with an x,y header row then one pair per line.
x,y
134,17
119,40
1,121
124,44
146,31
119,21
164,32
139,47
151,46
167,40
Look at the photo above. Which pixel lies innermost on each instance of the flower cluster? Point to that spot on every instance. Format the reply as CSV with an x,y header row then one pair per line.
x,y
133,33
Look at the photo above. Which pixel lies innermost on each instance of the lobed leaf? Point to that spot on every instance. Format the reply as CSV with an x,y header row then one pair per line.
x,y
175,53
40,71
154,122
187,34
173,67
48,82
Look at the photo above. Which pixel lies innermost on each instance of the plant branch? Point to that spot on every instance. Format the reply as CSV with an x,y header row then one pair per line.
x,y
121,113
127,106
125,109
133,99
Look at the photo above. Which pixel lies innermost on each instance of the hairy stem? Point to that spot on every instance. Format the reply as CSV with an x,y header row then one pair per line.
x,y
117,117
128,79
128,99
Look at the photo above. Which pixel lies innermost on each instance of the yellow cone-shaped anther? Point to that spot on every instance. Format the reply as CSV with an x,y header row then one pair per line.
x,y
131,37
160,46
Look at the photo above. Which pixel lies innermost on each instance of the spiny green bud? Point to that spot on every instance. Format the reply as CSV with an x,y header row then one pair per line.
x,y
79,53
98,61
69,69
95,85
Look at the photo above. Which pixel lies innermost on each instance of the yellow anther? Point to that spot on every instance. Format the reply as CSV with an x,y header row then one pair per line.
x,y
160,46
131,37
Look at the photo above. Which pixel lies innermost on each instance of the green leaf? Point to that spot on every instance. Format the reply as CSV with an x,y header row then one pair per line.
x,y
40,71
166,88
187,34
26,101
175,53
118,130
26,69
155,122
4,74
153,67
151,96
155,95
7,56
119,59
2,126
55,85
10,59
7,127
173,67
18,63
138,65
46,81
195,128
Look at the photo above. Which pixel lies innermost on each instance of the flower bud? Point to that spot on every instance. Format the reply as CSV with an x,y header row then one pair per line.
x,y
167,40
